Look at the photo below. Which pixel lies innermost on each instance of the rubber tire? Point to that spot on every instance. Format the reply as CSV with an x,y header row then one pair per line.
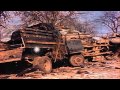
x,y
73,63
40,63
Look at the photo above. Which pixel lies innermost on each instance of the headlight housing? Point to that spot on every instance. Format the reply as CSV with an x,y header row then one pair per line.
x,y
36,49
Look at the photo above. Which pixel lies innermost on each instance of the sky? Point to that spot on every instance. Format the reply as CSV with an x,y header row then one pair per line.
x,y
90,15
15,21
94,15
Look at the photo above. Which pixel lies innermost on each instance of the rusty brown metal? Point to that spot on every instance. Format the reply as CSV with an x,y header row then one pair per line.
x,y
115,40
47,37
91,47
11,55
115,44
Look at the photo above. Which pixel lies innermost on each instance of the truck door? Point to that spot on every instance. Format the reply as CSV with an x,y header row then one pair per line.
x,y
73,43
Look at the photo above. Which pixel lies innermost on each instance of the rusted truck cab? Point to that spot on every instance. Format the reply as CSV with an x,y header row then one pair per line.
x,y
74,48
86,47
42,45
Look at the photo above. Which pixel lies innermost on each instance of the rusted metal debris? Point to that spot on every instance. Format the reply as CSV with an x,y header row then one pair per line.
x,y
52,46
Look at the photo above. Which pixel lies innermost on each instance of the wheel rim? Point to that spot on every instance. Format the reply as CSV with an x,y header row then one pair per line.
x,y
76,60
43,63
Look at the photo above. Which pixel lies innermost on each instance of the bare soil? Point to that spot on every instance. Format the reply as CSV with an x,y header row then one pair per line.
x,y
109,69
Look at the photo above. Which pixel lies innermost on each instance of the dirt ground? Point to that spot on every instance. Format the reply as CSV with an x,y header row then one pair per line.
x,y
93,70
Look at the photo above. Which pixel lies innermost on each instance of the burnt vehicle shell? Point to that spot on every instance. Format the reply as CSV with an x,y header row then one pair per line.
x,y
49,43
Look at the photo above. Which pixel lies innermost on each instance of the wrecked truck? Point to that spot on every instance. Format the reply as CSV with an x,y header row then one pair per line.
x,y
92,49
42,45
115,44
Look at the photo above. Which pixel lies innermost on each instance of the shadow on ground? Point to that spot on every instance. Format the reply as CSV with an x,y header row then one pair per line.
x,y
13,67
18,67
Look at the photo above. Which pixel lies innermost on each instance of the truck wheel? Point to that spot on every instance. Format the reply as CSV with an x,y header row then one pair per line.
x,y
77,60
43,63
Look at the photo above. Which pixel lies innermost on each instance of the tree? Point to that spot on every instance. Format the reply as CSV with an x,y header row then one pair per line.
x,y
54,17
5,17
2,15
57,18
86,27
111,19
